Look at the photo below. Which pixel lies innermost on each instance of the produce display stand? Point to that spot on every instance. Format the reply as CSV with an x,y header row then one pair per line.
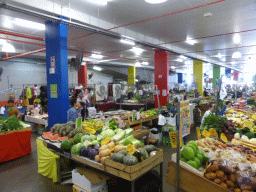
x,y
130,123
37,120
130,173
191,181
15,144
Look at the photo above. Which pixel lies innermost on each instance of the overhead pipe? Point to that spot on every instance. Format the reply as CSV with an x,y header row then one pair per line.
x,y
24,54
19,41
94,29
20,35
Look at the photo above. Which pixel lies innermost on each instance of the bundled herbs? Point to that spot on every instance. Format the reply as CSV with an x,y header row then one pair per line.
x,y
10,124
216,122
113,124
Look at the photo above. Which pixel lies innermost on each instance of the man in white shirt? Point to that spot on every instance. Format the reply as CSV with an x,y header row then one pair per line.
x,y
2,110
207,113
81,98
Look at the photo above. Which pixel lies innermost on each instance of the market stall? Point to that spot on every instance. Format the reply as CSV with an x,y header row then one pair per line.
x,y
14,139
39,119
105,106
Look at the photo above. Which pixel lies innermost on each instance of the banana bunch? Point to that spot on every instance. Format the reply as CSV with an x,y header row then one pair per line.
x,y
150,113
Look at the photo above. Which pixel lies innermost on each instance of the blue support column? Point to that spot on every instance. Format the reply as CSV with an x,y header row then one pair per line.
x,y
57,83
180,78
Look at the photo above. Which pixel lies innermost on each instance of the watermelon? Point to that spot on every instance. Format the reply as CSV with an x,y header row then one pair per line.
x,y
54,138
62,138
47,133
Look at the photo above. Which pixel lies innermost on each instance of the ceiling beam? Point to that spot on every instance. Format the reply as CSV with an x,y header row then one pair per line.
x,y
24,54
20,35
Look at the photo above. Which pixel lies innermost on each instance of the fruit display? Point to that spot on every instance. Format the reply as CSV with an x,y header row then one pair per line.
x,y
150,113
91,125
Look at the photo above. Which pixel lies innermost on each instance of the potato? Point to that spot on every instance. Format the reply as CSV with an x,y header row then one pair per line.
x,y
230,183
224,185
111,145
103,147
119,148
102,160
105,153
232,178
209,140
217,180
237,190
214,168
201,144
225,178
210,176
220,174
97,158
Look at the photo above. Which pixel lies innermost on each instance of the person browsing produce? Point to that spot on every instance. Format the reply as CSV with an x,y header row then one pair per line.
x,y
174,108
228,104
207,113
72,112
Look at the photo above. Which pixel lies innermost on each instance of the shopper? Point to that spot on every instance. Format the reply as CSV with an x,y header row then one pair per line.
x,y
207,113
2,110
130,95
184,95
81,98
82,110
228,104
13,110
196,93
174,109
205,93
72,112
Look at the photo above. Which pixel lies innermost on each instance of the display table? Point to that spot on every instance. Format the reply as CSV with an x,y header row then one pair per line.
x,y
105,106
37,120
5,102
135,173
129,122
15,144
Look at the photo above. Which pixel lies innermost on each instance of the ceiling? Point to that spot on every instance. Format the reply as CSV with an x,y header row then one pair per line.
x,y
165,25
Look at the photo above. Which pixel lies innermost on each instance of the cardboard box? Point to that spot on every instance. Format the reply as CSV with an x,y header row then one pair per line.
x,y
79,189
88,179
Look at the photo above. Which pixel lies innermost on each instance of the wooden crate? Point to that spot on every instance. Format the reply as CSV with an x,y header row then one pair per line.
x,y
129,122
88,162
190,181
132,172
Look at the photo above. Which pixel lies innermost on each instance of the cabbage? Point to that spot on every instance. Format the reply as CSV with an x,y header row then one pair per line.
x,y
93,137
87,143
85,137
237,136
99,138
76,148
128,132
107,133
133,141
118,130
118,136
95,142
124,142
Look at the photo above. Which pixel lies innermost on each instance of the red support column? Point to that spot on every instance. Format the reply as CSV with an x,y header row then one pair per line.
x,y
161,76
82,75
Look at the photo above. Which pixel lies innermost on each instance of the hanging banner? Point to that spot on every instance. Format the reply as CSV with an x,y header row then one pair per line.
x,y
184,119
53,89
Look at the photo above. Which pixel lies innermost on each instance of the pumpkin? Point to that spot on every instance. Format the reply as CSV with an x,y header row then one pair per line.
x,y
144,154
130,160
124,152
118,157
149,148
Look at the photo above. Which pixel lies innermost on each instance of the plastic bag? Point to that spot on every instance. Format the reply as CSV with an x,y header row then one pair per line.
x,y
161,120
172,121
246,177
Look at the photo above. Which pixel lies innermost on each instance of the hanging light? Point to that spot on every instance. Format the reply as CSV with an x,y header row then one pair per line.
x,y
137,64
236,55
155,1
8,48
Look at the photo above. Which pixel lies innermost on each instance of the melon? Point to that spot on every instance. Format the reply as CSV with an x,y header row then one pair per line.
x,y
47,133
47,137
62,138
54,138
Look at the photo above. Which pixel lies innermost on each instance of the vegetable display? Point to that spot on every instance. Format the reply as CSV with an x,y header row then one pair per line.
x,y
10,124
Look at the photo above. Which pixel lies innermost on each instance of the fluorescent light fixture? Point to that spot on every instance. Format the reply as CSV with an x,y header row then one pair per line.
x,y
137,50
8,48
179,60
7,22
190,41
237,39
136,80
155,1
236,55
83,63
100,2
144,63
96,56
2,41
125,41
97,68
29,24
183,57
173,67
137,64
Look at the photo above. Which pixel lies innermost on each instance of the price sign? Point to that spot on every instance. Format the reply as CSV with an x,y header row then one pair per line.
x,y
79,122
184,119
173,138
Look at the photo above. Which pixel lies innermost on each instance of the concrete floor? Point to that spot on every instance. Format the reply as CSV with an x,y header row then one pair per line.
x,y
20,175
